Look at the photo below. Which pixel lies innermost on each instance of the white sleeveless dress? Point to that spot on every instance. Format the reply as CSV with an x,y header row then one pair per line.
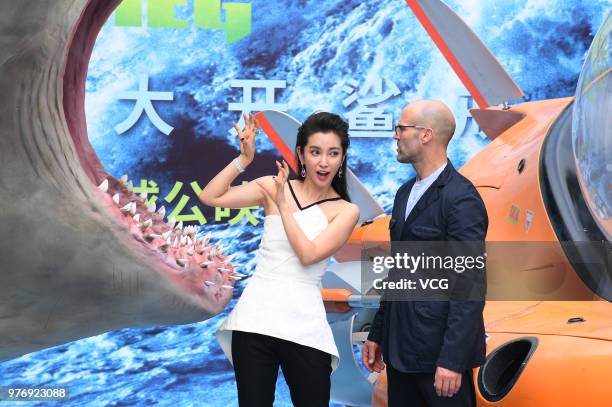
x,y
283,297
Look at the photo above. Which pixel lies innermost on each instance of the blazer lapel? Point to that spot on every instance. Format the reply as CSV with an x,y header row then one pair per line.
x,y
400,210
429,197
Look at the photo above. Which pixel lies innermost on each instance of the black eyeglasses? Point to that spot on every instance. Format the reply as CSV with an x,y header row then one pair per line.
x,y
400,127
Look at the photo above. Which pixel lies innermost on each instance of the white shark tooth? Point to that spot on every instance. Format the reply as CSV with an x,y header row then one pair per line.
x,y
229,258
171,222
126,208
136,218
103,185
206,239
190,251
175,243
162,211
181,262
123,179
144,194
239,275
235,278
189,241
224,270
150,236
151,208
229,287
183,240
133,208
146,224
130,186
169,241
179,226
116,198
208,283
166,234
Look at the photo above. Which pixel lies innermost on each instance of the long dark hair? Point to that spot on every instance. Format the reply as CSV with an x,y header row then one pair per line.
x,y
325,122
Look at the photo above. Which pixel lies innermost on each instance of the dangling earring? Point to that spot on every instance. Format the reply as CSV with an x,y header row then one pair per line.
x,y
303,172
340,173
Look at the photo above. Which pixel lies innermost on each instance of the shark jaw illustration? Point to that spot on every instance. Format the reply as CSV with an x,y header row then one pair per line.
x,y
80,253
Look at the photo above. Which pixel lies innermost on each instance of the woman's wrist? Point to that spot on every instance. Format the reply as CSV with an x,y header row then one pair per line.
x,y
236,164
240,163
243,161
283,206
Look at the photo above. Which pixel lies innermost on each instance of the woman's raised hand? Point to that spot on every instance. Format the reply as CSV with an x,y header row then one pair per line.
x,y
247,138
278,194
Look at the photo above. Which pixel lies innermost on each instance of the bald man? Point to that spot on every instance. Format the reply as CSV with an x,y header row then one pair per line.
x,y
430,347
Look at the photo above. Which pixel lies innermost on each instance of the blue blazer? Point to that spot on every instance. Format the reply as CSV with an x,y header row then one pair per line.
x,y
418,336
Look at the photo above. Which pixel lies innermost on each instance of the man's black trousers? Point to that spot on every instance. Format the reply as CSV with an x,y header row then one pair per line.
x,y
417,389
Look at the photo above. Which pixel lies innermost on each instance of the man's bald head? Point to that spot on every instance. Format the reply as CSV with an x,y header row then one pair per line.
x,y
433,114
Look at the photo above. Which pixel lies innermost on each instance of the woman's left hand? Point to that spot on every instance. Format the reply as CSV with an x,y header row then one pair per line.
x,y
278,196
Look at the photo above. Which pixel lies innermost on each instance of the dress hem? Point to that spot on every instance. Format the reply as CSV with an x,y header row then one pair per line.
x,y
224,337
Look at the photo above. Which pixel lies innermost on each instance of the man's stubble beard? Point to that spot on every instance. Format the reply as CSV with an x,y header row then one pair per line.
x,y
404,159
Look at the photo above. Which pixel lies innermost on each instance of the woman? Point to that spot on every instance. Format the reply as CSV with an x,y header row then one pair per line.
x,y
280,319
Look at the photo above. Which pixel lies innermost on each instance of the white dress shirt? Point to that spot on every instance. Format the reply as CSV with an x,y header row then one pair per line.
x,y
419,188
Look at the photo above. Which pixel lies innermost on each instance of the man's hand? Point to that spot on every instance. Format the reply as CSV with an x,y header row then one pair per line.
x,y
372,357
446,382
